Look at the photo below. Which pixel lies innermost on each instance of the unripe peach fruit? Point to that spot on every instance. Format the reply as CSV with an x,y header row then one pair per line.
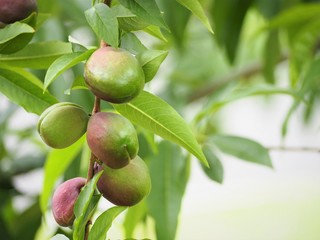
x,y
62,124
114,75
64,199
112,138
125,186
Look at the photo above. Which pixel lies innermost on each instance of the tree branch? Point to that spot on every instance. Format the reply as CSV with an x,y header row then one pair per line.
x,y
294,149
245,72
96,106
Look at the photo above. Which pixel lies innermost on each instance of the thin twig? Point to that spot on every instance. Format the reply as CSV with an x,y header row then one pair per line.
x,y
294,149
86,235
90,173
245,72
96,106
93,158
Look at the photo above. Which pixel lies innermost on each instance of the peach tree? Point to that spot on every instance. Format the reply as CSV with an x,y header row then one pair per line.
x,y
89,70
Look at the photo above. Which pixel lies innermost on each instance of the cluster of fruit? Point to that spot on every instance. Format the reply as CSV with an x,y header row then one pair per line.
x,y
116,76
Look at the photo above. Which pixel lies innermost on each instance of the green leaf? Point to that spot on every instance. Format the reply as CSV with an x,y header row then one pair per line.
x,y
269,8
38,55
310,82
271,56
146,10
311,78
121,12
127,20
135,214
177,17
156,32
215,169
79,83
297,14
129,24
14,37
104,23
150,61
291,110
59,237
154,114
242,148
63,63
81,222
24,89
228,16
243,92
302,48
57,162
169,176
77,46
85,206
13,30
41,18
132,43
195,7
103,223
31,20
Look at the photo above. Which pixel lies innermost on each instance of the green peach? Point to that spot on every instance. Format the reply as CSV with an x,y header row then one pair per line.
x,y
112,138
62,124
126,186
114,75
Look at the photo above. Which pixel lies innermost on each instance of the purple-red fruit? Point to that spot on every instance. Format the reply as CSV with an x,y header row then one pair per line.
x,y
64,199
112,138
125,186
114,75
16,10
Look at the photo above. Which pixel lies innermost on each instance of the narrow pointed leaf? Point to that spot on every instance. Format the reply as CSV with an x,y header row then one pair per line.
x,y
85,206
38,55
243,148
169,171
146,10
156,32
24,89
104,23
157,116
215,169
195,7
132,43
13,30
150,61
63,63
103,223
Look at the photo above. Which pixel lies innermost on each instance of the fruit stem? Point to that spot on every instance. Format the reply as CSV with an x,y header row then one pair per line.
x,y
93,158
96,106
103,44
91,167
